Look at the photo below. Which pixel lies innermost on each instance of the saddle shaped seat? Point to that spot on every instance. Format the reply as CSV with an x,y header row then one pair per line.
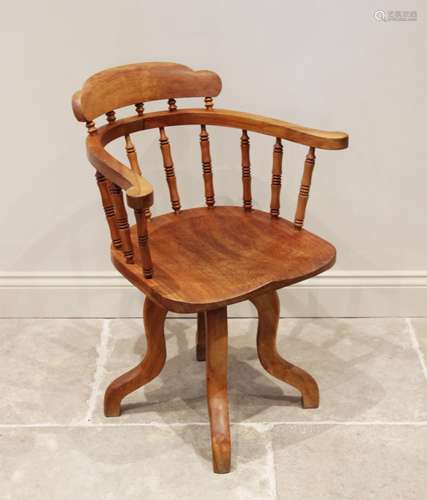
x,y
226,253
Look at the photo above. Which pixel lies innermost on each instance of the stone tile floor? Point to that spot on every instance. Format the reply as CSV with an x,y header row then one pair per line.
x,y
368,439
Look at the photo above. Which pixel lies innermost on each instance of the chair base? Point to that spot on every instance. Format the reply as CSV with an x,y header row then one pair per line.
x,y
212,346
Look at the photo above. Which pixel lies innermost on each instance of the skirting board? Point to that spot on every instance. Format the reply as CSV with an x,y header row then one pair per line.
x,y
107,294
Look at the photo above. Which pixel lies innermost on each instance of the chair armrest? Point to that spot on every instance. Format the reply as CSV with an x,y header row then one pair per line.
x,y
322,139
138,190
140,194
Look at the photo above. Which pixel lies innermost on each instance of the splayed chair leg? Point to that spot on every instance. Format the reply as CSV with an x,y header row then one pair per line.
x,y
268,307
149,368
201,337
216,378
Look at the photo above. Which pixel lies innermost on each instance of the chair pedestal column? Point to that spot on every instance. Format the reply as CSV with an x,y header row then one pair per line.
x,y
216,381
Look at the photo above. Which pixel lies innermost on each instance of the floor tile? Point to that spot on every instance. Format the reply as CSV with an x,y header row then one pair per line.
x,y
47,369
367,370
133,462
350,462
177,394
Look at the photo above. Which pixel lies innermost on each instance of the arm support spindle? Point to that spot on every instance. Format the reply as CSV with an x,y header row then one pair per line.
x,y
134,164
141,226
108,209
305,188
122,221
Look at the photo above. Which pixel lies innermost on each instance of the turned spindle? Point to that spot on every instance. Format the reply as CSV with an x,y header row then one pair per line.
x,y
246,171
276,178
209,103
144,249
111,116
134,164
122,221
131,154
91,127
207,166
169,170
305,188
172,104
139,107
108,209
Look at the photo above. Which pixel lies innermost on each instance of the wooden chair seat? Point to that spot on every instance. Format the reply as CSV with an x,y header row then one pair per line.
x,y
226,253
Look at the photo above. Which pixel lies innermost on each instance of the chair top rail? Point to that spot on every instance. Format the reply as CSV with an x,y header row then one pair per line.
x,y
130,84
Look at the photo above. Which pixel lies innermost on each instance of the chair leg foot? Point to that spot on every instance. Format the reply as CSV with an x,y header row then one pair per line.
x,y
216,378
268,318
149,368
201,337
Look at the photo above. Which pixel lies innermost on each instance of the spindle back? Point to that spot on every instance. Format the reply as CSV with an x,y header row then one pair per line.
x,y
137,84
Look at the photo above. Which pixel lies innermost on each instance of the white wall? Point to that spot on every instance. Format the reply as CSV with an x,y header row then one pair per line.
x,y
325,64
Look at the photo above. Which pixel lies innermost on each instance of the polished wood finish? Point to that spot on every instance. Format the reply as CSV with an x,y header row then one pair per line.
x,y
140,190
203,259
224,118
304,189
207,166
169,170
132,157
134,164
201,337
144,248
246,170
276,178
268,307
149,368
122,222
216,381
223,255
108,209
125,85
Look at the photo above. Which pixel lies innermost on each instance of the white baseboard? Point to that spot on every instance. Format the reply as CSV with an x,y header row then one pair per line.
x,y
107,294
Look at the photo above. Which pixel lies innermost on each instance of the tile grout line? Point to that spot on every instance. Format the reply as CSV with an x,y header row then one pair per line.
x,y
53,318
259,426
103,350
416,346
271,465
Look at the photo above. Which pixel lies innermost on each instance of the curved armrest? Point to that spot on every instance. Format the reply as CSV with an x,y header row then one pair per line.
x,y
140,194
138,190
315,138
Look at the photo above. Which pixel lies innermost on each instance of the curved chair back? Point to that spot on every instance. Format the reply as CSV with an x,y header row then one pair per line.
x,y
136,84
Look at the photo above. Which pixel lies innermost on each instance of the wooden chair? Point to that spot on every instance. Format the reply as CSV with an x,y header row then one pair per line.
x,y
200,260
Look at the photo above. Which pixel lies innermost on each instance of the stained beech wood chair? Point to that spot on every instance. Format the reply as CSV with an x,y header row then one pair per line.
x,y
200,260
